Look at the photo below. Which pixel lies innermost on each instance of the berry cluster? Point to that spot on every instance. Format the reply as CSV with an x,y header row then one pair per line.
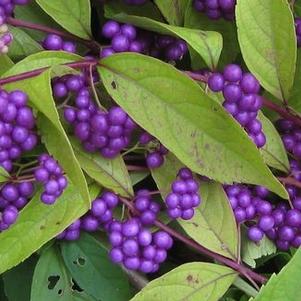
x,y
242,101
55,42
6,10
100,214
278,222
17,124
13,197
184,196
156,150
136,247
106,132
51,175
216,9
147,208
298,30
125,37
291,136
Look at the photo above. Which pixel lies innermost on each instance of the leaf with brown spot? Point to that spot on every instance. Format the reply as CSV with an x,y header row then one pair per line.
x,y
189,282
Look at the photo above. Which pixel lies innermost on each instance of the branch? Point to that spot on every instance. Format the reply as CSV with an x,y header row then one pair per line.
x,y
193,244
92,45
290,181
36,72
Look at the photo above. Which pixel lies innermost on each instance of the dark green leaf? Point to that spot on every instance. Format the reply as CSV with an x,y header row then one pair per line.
x,y
92,269
173,10
207,44
111,174
285,285
190,282
51,280
20,277
73,15
194,19
37,224
274,153
148,9
32,12
269,53
5,63
190,124
22,45
213,224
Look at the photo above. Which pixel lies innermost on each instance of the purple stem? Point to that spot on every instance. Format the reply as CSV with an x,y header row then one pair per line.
x,y
193,244
36,72
93,45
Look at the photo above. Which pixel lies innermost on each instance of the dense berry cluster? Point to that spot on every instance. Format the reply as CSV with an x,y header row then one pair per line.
x,y
125,37
55,42
156,150
17,124
13,197
291,137
51,175
298,30
98,130
136,247
241,99
184,196
6,10
216,9
277,221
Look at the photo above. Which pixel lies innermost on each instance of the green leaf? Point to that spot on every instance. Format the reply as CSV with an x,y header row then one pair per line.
x,y
4,175
190,124
111,174
53,135
207,44
20,277
73,15
173,10
5,63
90,266
285,285
251,251
22,45
37,224
194,19
32,12
295,98
273,153
51,280
190,282
213,224
138,176
41,60
267,39
148,9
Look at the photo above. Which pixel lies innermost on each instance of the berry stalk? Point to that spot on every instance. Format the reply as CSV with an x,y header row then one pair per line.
x,y
193,244
91,44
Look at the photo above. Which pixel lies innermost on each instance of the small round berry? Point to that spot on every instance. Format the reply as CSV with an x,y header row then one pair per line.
x,y
255,234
